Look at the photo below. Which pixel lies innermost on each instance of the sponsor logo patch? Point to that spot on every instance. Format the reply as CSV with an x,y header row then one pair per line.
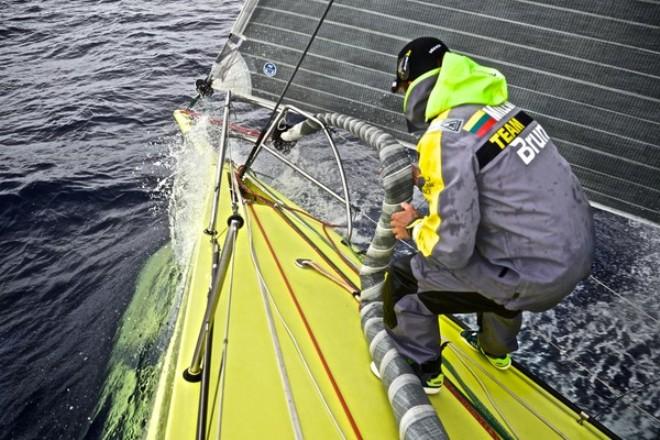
x,y
484,119
452,125
527,147
500,111
531,145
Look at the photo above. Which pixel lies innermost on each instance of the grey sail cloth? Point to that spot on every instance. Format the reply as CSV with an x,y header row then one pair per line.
x,y
415,416
589,75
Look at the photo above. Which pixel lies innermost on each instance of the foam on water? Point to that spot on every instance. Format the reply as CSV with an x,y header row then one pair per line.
x,y
191,175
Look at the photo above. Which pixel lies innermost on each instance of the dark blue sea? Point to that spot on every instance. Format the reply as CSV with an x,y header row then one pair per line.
x,y
93,230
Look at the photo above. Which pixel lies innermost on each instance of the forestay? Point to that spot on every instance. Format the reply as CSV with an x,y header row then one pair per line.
x,y
588,71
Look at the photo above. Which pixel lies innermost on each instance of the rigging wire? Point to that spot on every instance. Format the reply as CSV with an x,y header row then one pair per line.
x,y
225,342
292,337
486,373
262,134
490,398
618,295
291,405
308,328
293,412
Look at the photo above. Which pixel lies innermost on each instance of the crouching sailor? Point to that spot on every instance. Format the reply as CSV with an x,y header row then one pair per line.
x,y
508,227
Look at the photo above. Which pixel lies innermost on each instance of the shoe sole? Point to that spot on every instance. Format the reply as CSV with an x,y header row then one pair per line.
x,y
428,390
481,352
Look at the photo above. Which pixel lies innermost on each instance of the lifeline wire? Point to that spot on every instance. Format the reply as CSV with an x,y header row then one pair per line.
x,y
260,139
510,393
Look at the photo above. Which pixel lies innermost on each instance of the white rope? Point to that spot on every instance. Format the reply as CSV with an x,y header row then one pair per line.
x,y
305,364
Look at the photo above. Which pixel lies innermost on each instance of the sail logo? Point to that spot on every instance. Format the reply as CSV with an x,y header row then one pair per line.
x,y
270,70
510,133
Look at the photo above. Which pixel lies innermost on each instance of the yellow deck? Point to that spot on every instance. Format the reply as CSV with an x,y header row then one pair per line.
x,y
253,400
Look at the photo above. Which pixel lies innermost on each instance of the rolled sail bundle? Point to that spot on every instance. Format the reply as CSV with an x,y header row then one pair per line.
x,y
415,416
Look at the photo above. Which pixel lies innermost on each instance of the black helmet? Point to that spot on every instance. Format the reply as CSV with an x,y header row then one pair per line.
x,y
418,57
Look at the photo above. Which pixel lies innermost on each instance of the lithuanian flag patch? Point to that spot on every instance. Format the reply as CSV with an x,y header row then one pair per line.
x,y
479,123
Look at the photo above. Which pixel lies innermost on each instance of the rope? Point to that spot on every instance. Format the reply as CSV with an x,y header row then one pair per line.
x,y
293,339
308,328
325,225
260,139
293,413
478,404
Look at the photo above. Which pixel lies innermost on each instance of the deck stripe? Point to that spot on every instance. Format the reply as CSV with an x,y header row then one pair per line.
x,y
470,408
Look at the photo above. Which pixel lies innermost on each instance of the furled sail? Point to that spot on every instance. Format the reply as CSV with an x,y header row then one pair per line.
x,y
588,71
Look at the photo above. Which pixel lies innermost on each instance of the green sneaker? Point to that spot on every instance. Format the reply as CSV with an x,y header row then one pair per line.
x,y
472,338
431,381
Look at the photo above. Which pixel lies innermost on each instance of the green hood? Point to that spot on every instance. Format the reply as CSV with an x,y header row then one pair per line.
x,y
458,81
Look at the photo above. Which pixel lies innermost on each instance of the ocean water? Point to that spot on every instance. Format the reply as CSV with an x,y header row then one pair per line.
x,y
97,217
86,142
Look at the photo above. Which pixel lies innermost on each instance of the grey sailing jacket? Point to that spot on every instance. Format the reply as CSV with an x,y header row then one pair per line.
x,y
507,216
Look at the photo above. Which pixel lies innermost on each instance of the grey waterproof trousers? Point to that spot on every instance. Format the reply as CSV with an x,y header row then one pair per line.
x,y
411,316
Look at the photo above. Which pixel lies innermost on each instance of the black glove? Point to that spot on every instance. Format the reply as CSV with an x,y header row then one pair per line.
x,y
279,144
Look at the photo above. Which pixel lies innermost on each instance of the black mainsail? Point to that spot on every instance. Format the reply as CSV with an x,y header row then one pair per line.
x,y
589,71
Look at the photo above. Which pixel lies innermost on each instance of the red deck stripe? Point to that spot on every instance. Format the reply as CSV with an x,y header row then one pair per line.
x,y
340,396
461,398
